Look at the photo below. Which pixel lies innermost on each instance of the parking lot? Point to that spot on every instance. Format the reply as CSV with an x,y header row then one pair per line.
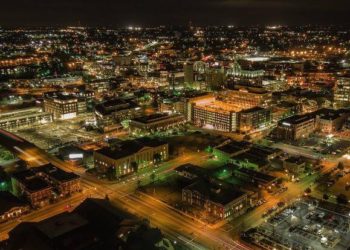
x,y
325,145
306,225
59,132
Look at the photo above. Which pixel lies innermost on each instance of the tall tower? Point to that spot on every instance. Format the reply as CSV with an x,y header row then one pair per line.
x,y
188,73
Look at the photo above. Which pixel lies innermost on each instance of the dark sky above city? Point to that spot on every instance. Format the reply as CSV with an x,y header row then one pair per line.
x,y
153,12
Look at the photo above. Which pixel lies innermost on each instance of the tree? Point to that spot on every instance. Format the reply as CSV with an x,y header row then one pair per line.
x,y
325,196
134,166
138,183
6,155
342,199
247,138
111,173
157,157
340,166
279,181
153,177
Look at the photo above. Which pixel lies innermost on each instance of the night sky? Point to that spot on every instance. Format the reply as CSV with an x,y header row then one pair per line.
x,y
118,13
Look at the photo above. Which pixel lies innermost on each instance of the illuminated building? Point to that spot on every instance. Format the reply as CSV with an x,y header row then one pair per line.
x,y
156,122
256,177
213,114
330,121
308,106
175,79
253,119
100,69
24,118
99,86
296,127
236,70
20,66
195,99
250,160
246,155
62,106
123,59
35,189
215,78
294,165
221,201
342,92
86,94
63,81
109,114
214,75
274,85
65,183
189,73
172,105
199,69
195,73
11,207
229,109
284,109
226,151
128,156
20,61
39,185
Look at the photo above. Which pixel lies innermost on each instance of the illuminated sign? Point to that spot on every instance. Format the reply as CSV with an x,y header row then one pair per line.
x,y
76,156
68,116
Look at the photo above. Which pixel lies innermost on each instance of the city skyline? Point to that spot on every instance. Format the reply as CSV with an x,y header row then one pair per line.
x,y
175,125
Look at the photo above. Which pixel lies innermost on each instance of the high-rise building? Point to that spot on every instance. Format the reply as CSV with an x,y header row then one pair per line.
x,y
253,119
342,92
215,78
192,100
207,112
189,73
62,106
296,127
172,105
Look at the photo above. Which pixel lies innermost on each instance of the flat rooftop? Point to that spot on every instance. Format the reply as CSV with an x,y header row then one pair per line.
x,y
252,110
234,147
115,105
296,119
61,224
57,173
222,194
192,169
245,157
156,117
21,113
130,147
218,106
257,175
263,152
60,96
